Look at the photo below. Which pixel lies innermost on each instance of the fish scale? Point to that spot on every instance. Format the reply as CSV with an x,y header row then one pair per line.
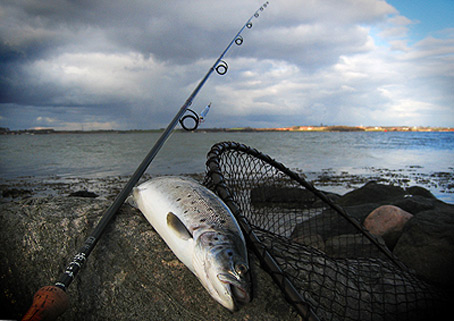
x,y
199,210
202,232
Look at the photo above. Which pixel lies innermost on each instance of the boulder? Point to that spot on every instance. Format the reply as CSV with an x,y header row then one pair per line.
x,y
15,192
372,192
351,246
423,242
419,191
388,222
344,284
83,193
427,245
413,199
415,203
130,275
314,241
329,223
282,196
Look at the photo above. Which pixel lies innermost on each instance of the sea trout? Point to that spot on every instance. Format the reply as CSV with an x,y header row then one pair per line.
x,y
202,232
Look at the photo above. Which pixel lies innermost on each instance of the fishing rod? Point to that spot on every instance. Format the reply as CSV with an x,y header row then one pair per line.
x,y
51,301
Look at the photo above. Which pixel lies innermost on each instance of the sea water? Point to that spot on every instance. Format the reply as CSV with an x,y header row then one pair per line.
x,y
90,155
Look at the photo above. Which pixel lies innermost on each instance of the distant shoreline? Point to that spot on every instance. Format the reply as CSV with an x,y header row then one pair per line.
x,y
44,131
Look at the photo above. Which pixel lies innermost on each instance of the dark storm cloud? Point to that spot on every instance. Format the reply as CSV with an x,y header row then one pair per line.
x,y
33,31
169,30
175,30
129,64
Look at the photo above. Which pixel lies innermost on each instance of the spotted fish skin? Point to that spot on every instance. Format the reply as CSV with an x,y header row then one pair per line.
x,y
202,232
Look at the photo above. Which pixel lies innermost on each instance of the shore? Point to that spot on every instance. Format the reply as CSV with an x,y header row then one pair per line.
x,y
321,128
133,275
130,275
441,184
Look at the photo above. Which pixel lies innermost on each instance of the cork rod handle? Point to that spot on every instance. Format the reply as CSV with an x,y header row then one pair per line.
x,y
48,303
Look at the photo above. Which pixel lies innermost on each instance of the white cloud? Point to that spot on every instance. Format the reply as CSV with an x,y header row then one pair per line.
x,y
396,27
87,126
46,120
109,63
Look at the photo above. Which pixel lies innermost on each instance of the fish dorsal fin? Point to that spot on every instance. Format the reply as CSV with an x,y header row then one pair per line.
x,y
177,226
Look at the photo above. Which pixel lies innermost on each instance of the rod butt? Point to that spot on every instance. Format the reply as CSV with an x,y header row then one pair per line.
x,y
48,303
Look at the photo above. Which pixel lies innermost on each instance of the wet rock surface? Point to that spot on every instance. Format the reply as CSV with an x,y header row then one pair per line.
x,y
439,182
425,243
130,275
388,222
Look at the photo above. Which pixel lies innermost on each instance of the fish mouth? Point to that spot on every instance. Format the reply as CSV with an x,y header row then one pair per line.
x,y
240,295
239,292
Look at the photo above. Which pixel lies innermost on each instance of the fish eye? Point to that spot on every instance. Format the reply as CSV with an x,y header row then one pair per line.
x,y
241,268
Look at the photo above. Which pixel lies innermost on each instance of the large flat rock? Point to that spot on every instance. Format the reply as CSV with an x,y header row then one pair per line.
x,y
130,275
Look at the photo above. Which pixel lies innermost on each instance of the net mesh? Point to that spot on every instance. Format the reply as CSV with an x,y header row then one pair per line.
x,y
326,263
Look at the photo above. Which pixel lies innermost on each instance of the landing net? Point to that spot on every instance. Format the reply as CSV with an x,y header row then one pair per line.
x,y
326,263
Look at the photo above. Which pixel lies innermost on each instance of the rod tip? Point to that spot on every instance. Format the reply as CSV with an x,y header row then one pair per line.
x,y
48,303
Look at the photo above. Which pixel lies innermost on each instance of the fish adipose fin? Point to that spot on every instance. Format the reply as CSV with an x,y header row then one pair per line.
x,y
177,226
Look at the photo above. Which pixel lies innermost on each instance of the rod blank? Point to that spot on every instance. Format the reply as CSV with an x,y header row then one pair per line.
x,y
51,309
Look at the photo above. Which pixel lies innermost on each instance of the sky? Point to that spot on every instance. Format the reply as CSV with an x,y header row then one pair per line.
x,y
114,64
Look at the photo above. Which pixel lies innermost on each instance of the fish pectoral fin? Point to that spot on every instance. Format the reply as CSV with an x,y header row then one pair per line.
x,y
177,226
131,201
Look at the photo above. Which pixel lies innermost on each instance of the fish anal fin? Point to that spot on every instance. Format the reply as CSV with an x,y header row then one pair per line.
x,y
177,226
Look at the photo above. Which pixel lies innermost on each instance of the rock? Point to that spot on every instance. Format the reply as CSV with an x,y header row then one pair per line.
x,y
314,241
345,288
360,211
359,204
424,243
130,275
330,223
372,193
427,245
326,224
283,196
413,199
388,222
351,246
14,192
415,203
419,191
82,193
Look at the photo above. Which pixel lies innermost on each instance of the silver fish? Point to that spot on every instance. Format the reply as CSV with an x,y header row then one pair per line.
x,y
202,232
